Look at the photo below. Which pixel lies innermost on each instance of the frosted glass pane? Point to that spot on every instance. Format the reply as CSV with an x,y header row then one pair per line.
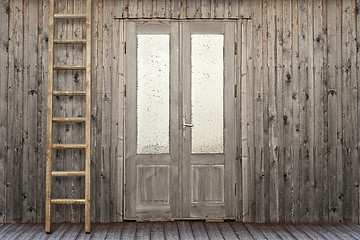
x,y
207,93
153,59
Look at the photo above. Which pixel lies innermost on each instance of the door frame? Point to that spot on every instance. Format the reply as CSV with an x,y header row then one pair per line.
x,y
236,116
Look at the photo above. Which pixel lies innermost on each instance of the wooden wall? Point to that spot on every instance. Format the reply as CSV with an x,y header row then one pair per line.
x,y
298,115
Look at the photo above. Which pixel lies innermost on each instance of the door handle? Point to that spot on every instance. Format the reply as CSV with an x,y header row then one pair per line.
x,y
185,125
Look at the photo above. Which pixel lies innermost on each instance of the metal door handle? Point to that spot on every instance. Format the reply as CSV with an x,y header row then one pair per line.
x,y
185,125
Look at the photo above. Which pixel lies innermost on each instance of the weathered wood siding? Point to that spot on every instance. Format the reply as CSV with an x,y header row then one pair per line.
x,y
298,106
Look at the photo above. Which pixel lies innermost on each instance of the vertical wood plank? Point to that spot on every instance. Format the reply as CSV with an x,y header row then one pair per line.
x,y
319,116
205,9
304,109
272,115
117,110
69,104
133,8
250,124
42,106
287,83
233,9
238,119
190,9
311,108
30,115
279,102
296,112
125,8
258,100
118,8
139,8
4,71
244,121
15,111
219,8
183,9
351,196
147,8
96,101
160,8
265,77
106,100
339,87
168,9
325,150
332,106
175,9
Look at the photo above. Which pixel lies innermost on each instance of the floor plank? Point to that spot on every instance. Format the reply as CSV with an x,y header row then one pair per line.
x,y
129,230
58,231
33,228
40,233
199,230
171,231
296,232
143,231
213,231
268,231
255,233
114,231
338,232
4,227
157,231
14,231
185,230
226,230
309,229
241,231
182,230
353,231
73,231
100,231
282,232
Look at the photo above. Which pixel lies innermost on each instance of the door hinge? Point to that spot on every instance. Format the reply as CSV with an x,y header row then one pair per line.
x,y
235,48
125,90
235,90
235,189
124,47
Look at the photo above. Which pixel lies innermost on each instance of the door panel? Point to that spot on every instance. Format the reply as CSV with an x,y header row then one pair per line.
x,y
151,121
179,73
208,101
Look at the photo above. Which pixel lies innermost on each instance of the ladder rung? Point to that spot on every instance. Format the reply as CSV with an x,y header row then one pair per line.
x,y
69,16
68,146
70,41
68,201
69,67
68,174
67,93
69,119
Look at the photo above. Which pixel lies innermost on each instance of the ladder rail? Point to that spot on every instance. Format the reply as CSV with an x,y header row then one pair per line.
x,y
51,119
88,119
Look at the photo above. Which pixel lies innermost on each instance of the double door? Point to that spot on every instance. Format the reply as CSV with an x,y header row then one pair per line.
x,y
179,120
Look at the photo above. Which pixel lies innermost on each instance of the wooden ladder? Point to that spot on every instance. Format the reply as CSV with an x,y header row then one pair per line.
x,y
50,119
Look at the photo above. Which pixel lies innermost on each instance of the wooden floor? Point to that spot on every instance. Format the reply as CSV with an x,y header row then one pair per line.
x,y
182,230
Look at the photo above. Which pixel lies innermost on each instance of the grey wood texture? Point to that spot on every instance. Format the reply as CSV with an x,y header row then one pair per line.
x,y
182,230
306,124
